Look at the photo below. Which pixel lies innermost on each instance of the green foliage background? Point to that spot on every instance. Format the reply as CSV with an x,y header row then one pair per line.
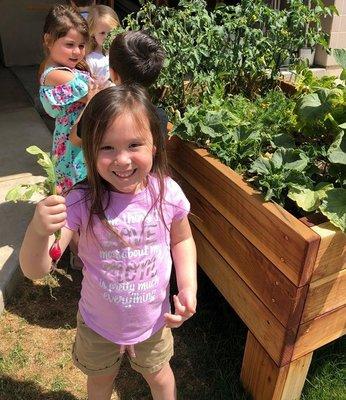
x,y
220,87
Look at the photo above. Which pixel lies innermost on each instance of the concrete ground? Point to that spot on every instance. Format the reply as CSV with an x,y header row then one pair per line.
x,y
20,126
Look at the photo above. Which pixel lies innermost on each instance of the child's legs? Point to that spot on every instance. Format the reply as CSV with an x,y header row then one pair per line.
x,y
162,383
152,361
98,358
100,387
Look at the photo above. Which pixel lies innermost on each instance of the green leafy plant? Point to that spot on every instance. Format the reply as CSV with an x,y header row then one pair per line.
x,y
324,198
322,114
340,57
320,134
275,173
305,20
268,143
236,129
306,82
25,192
242,47
220,87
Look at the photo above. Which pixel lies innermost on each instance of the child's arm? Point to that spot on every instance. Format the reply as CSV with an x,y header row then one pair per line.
x,y
58,77
75,134
75,138
50,215
62,76
93,89
185,261
76,131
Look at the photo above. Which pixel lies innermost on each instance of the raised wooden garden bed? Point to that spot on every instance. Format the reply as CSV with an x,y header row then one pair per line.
x,y
285,280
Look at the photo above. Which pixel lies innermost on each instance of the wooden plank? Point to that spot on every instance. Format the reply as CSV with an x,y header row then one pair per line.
x,y
320,331
275,290
264,380
282,238
295,379
325,295
260,376
277,341
331,256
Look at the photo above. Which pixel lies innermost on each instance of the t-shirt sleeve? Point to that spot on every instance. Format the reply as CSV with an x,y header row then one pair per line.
x,y
180,203
74,204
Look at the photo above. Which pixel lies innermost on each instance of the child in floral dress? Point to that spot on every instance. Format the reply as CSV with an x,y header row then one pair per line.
x,y
64,88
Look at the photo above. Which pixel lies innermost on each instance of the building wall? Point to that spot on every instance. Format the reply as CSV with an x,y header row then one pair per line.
x,y
21,25
336,28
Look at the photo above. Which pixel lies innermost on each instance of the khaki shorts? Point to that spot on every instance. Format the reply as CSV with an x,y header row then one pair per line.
x,y
95,355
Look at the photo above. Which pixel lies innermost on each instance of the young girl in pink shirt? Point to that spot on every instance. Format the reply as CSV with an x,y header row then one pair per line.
x,y
132,217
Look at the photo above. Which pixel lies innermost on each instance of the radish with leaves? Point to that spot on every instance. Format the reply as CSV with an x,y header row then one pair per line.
x,y
25,192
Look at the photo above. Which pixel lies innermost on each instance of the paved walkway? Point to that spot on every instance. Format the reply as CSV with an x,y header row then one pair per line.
x,y
20,127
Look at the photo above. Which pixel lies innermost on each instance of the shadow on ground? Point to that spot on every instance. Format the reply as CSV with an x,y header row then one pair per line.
x,y
49,307
29,390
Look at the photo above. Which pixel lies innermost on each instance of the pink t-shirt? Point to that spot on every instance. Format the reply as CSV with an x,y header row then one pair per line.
x,y
125,288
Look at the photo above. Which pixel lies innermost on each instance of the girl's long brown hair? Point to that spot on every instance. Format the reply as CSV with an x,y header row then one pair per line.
x,y
102,110
59,20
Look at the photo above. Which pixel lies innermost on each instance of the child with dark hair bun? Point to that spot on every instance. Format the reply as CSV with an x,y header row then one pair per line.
x,y
137,57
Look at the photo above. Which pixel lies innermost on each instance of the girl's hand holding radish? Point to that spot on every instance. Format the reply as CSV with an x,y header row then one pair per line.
x,y
50,215
49,218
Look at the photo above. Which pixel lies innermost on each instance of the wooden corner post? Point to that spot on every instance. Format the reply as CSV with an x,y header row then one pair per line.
x,y
264,380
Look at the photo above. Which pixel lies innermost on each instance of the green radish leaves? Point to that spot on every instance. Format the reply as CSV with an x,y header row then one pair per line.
x,y
25,192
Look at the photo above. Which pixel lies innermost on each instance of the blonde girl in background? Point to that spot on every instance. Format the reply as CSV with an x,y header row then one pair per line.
x,y
133,220
102,19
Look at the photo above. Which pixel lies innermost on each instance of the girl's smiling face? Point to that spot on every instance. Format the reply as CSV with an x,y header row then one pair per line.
x,y
125,157
68,50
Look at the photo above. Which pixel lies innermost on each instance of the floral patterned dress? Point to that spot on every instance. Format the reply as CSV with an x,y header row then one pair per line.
x,y
62,103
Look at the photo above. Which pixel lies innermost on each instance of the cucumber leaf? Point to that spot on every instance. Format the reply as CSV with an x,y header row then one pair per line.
x,y
337,150
340,57
334,207
309,199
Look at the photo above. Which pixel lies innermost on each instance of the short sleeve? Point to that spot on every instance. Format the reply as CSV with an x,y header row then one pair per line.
x,y
67,93
177,198
75,205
